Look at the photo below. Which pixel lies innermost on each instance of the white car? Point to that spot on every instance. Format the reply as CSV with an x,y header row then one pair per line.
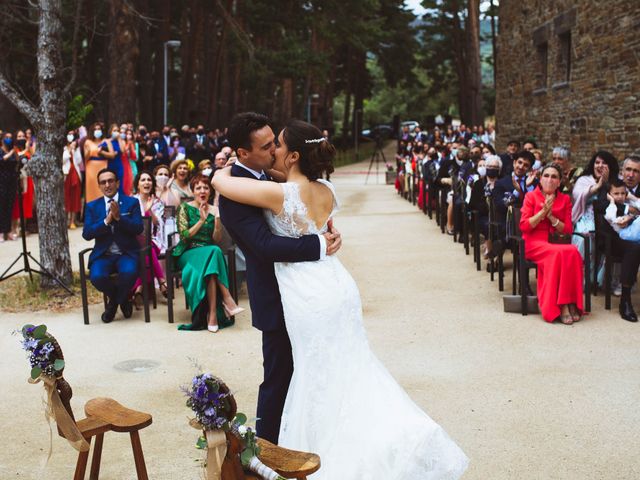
x,y
412,124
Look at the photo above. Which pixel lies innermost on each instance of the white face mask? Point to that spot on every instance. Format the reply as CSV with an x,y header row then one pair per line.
x,y
123,136
454,152
70,138
482,171
459,162
115,135
97,134
207,171
485,155
536,165
162,181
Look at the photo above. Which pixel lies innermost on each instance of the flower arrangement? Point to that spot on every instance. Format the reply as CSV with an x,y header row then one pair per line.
x,y
214,411
39,348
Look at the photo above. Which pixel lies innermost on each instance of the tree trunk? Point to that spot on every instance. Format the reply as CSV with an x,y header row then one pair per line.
x,y
459,45
492,10
123,62
473,62
46,166
286,111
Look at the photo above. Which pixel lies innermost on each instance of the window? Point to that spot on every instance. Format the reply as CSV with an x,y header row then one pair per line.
x,y
541,73
564,57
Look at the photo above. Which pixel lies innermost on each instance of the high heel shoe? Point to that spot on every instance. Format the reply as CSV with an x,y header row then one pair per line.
x,y
213,328
232,312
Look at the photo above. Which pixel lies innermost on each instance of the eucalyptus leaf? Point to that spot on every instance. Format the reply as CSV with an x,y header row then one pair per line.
x,y
40,332
35,372
201,444
241,418
246,456
58,364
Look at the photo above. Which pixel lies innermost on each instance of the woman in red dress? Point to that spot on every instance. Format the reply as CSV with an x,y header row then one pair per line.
x,y
547,210
28,191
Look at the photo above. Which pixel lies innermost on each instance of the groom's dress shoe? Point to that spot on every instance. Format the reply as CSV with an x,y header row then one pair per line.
x,y
626,311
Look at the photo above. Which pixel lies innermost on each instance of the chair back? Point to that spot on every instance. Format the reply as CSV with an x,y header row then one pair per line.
x,y
513,219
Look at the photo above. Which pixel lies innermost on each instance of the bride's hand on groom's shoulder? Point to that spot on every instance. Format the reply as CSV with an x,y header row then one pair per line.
x,y
334,239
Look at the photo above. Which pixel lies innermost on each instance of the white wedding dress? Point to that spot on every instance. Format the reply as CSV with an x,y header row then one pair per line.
x,y
342,402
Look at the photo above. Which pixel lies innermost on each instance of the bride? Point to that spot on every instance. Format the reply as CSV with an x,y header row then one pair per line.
x,y
342,402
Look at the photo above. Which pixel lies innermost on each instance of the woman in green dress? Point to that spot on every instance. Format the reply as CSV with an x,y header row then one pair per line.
x,y
204,270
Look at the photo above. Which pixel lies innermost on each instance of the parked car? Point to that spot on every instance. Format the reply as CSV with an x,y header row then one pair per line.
x,y
383,131
412,124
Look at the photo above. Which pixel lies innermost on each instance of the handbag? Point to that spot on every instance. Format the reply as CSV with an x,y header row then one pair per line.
x,y
559,238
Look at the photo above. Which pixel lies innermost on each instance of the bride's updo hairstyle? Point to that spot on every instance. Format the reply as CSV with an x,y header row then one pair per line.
x,y
316,153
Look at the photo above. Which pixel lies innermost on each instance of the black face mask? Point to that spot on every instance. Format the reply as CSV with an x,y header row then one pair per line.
x,y
166,134
200,132
493,172
143,132
21,143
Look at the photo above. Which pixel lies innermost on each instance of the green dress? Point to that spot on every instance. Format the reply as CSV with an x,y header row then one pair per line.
x,y
199,259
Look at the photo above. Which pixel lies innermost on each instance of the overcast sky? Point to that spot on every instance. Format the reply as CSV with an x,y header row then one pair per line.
x,y
415,6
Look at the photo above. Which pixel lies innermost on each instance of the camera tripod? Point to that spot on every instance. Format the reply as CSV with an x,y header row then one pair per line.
x,y
25,255
376,156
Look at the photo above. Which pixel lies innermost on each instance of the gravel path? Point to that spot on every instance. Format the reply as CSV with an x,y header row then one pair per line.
x,y
524,399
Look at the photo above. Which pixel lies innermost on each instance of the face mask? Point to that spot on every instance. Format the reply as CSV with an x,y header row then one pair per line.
x,y
8,143
454,152
21,143
207,171
143,132
97,134
493,172
482,171
162,181
70,138
536,165
115,135
485,155
459,162
200,132
123,136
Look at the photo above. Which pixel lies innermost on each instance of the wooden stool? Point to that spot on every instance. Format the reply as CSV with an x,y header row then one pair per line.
x,y
103,415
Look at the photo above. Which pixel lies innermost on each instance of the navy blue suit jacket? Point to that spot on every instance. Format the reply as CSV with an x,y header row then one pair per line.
x,y
248,228
123,233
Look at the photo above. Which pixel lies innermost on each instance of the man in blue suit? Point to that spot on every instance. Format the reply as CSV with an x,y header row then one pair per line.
x,y
254,142
113,221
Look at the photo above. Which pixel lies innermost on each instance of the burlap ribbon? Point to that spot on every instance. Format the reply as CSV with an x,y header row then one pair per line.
x,y
216,450
55,409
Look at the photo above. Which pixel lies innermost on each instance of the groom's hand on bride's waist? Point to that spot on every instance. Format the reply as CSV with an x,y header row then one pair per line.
x,y
334,239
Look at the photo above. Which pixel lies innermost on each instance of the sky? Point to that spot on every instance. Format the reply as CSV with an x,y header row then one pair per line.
x,y
415,6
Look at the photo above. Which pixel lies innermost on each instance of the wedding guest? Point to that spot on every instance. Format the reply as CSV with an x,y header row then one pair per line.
x,y
71,168
570,174
508,158
26,183
130,152
9,164
97,154
119,163
162,177
481,193
204,271
151,206
546,211
590,187
114,221
180,180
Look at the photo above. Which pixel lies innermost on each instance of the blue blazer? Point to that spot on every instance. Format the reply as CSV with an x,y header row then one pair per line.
x,y
123,233
248,228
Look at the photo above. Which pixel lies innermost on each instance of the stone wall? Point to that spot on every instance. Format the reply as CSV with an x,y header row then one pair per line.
x,y
589,104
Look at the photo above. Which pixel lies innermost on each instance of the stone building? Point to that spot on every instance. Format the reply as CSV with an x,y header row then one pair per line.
x,y
569,75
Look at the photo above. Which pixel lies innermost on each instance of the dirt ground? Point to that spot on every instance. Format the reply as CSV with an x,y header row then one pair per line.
x,y
523,398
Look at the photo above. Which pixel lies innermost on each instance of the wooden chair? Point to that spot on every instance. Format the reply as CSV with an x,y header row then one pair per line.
x,y
174,275
102,415
144,261
498,246
603,249
521,265
287,463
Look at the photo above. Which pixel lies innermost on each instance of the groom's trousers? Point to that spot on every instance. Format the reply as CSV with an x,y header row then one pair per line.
x,y
278,369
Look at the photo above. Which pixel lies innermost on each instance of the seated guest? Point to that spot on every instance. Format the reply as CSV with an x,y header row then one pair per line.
x,y
628,251
180,180
205,168
512,188
562,156
151,206
589,187
113,221
547,211
509,157
162,177
481,193
204,270
220,160
622,217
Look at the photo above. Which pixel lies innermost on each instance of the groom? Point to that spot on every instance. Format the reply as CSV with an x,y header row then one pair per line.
x,y
254,142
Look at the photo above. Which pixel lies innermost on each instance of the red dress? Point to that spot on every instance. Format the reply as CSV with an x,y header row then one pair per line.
x,y
559,266
27,198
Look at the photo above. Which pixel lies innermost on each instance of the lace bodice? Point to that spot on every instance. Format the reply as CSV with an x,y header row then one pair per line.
x,y
293,220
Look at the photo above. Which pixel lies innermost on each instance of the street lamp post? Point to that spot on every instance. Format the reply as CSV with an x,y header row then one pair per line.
x,y
169,43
